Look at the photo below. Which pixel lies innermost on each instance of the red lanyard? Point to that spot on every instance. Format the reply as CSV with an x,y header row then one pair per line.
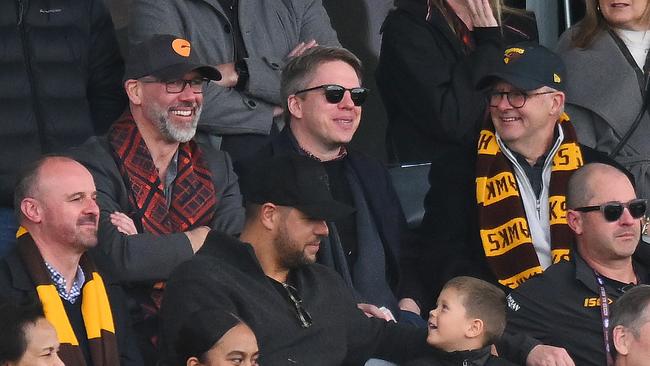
x,y
604,314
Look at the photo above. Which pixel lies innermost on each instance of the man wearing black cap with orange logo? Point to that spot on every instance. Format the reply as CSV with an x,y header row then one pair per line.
x,y
159,191
301,312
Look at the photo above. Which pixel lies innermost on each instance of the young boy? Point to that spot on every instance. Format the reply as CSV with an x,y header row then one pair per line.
x,y
469,318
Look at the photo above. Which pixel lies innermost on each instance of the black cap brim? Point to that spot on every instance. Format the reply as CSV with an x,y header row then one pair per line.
x,y
520,82
177,71
328,211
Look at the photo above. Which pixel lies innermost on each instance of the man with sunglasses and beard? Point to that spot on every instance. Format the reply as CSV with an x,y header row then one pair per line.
x,y
569,304
322,98
159,191
301,312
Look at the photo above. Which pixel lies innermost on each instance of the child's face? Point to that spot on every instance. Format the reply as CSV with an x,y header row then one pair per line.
x,y
448,322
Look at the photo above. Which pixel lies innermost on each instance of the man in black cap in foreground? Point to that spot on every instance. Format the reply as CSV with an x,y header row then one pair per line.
x,y
159,191
301,312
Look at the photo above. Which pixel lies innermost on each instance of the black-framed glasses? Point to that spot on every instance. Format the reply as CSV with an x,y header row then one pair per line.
x,y
612,211
177,86
334,93
517,99
303,315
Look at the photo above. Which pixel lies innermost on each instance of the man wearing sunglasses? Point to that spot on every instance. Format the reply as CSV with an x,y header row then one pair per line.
x,y
159,191
569,305
249,42
302,312
323,99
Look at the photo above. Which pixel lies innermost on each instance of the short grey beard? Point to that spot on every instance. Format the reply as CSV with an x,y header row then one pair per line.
x,y
170,131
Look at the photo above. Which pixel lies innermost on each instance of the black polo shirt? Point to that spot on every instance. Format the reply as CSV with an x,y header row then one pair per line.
x,y
561,308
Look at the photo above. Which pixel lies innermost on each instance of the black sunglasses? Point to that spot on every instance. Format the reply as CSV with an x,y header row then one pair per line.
x,y
303,315
334,93
612,211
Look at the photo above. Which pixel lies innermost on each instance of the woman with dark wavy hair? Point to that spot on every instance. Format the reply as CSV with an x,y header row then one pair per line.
x,y
607,90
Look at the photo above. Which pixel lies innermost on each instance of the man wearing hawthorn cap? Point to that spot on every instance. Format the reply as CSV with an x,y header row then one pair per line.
x,y
504,220
301,312
159,191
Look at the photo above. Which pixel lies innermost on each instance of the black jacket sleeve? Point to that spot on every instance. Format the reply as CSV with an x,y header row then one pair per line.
x,y
431,79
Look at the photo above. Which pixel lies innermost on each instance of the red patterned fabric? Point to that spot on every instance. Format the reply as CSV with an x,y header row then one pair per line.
x,y
194,199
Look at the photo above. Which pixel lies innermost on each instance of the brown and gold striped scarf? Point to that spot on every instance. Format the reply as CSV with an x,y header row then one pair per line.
x,y
506,237
95,309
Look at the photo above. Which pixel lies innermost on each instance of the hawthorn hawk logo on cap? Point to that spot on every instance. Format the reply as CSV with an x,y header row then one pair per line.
x,y
512,54
181,47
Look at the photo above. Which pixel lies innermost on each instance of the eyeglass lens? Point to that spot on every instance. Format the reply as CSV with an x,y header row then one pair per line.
x,y
334,94
516,99
613,211
177,86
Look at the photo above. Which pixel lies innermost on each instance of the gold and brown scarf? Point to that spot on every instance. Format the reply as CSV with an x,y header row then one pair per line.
x,y
506,237
95,309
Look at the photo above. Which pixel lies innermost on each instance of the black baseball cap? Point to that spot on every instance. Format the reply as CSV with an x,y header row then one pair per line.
x,y
292,180
528,66
165,57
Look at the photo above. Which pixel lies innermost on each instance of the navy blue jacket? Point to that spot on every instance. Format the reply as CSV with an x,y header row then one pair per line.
x,y
384,206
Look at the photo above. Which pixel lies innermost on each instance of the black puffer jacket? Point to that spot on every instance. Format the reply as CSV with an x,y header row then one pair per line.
x,y
427,81
60,72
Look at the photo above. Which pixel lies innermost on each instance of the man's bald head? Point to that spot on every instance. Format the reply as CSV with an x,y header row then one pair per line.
x,y
583,183
28,180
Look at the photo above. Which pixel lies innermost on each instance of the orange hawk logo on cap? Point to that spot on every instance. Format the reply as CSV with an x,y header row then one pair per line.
x,y
182,47
512,54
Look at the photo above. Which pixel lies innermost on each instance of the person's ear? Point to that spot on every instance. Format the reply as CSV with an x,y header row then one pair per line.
x,y
269,215
557,103
133,90
474,328
622,338
294,104
31,209
574,220
192,361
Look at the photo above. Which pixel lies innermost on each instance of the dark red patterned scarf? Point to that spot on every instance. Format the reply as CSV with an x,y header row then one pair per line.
x,y
194,200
